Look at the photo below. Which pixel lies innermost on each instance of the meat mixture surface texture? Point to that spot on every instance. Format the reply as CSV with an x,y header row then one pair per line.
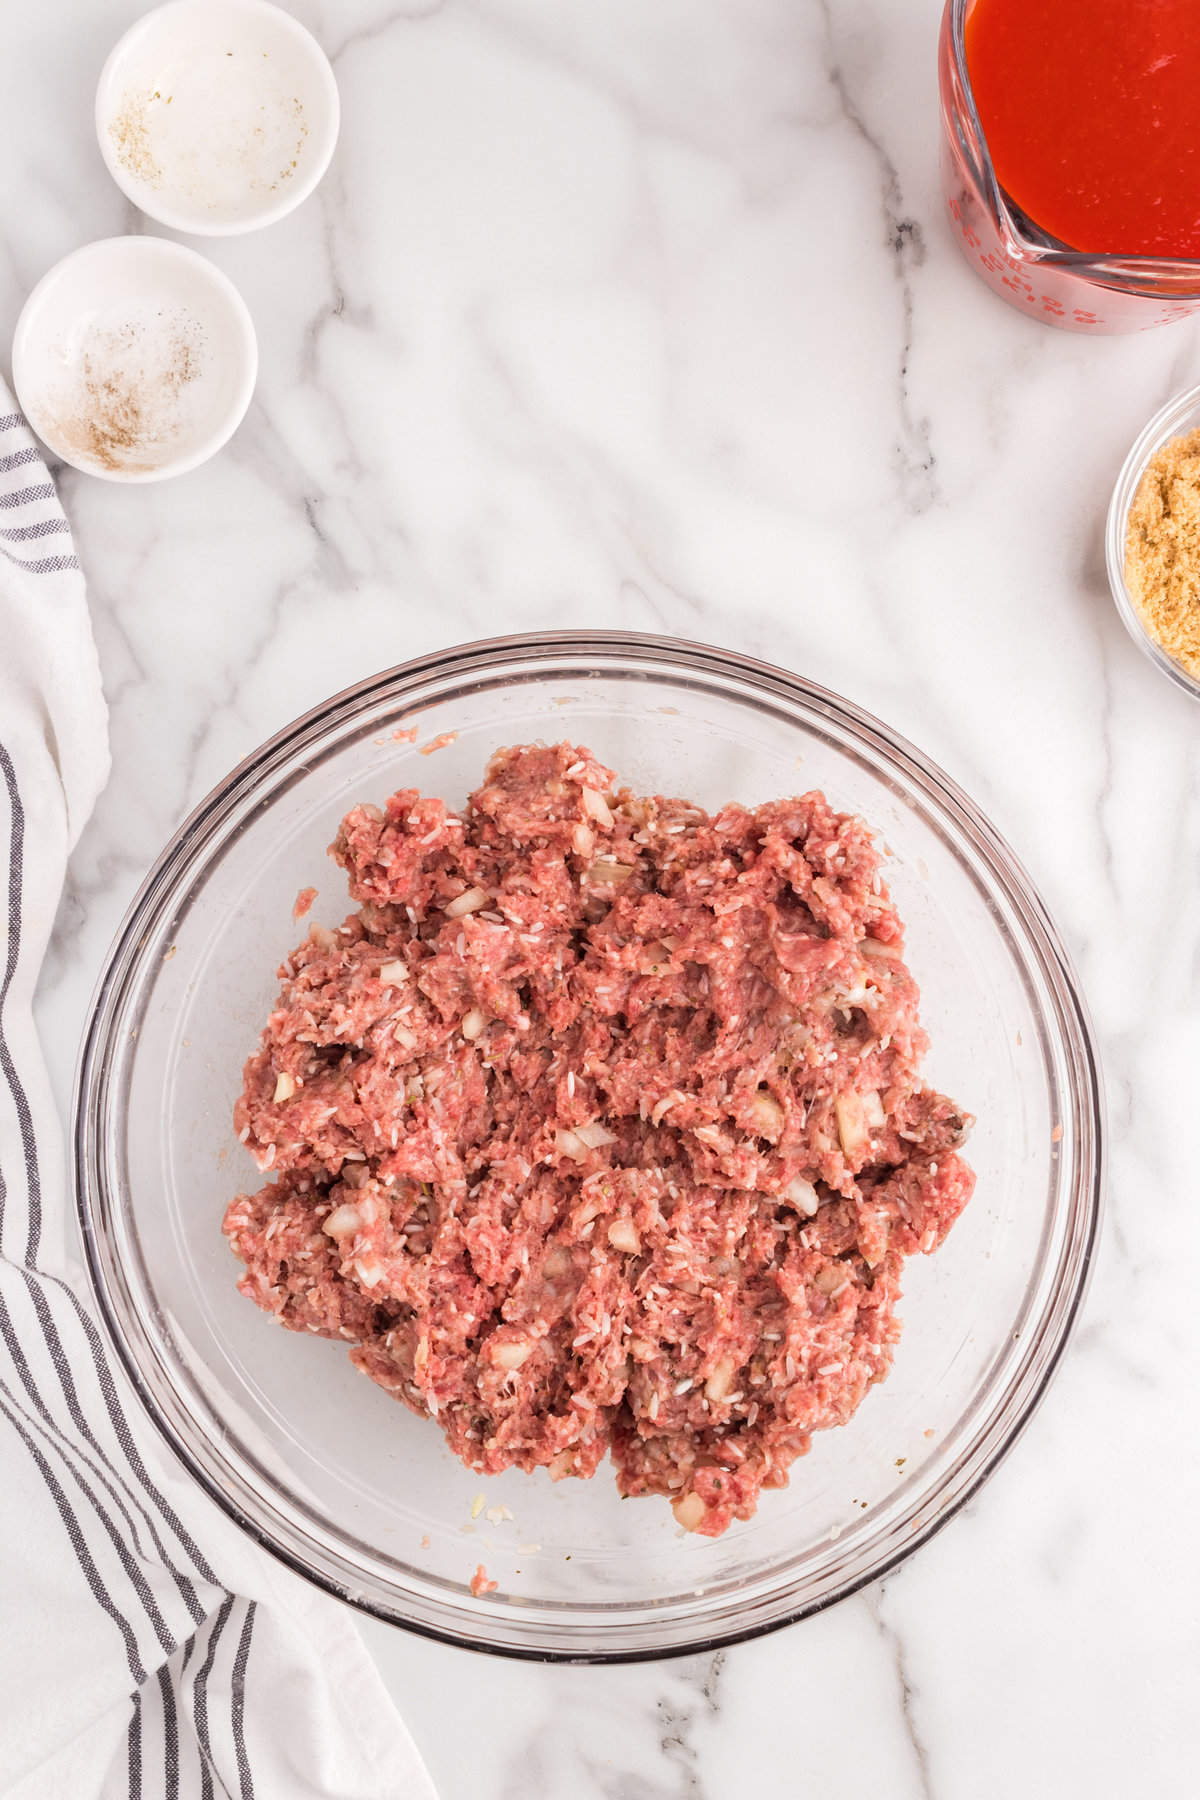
x,y
598,1128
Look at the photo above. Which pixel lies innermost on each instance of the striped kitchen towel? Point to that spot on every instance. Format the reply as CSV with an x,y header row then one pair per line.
x,y
146,1647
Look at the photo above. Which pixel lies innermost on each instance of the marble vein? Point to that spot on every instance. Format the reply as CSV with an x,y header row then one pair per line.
x,y
878,1603
905,240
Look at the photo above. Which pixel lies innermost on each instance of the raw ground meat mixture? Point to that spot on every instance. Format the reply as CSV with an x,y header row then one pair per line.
x,y
598,1127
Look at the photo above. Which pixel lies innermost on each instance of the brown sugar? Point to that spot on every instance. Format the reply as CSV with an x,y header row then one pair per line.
x,y
1162,550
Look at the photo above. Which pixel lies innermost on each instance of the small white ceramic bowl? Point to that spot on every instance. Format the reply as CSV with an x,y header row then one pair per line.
x,y
134,359
217,116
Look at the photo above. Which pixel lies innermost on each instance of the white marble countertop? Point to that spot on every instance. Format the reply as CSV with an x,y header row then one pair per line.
x,y
647,316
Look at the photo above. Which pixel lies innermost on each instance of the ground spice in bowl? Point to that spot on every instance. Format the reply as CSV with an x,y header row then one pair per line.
x,y
126,409
1162,550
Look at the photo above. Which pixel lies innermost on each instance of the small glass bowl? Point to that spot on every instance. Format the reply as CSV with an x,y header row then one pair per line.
x,y
1175,419
320,1465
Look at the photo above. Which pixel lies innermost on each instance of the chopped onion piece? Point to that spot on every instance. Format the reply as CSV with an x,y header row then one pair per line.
x,y
473,1023
851,1127
369,1270
512,1354
721,1379
285,1086
470,902
622,1235
405,1039
569,1143
768,1115
802,1195
583,840
342,1220
394,973
604,869
873,1111
596,807
594,1135
689,1510
882,952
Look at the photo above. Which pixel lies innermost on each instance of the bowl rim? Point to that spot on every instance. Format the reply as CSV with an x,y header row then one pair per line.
x,y
242,340
609,649
1168,422
178,218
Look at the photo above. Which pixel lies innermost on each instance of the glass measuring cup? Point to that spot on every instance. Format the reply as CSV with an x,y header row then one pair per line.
x,y
1034,272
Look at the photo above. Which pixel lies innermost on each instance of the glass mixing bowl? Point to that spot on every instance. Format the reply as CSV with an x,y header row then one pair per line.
x,y
318,1463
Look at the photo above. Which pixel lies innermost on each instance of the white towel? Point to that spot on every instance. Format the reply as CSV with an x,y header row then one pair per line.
x,y
146,1647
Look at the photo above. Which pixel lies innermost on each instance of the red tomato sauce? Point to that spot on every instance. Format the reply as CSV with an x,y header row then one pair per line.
x,y
1091,110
